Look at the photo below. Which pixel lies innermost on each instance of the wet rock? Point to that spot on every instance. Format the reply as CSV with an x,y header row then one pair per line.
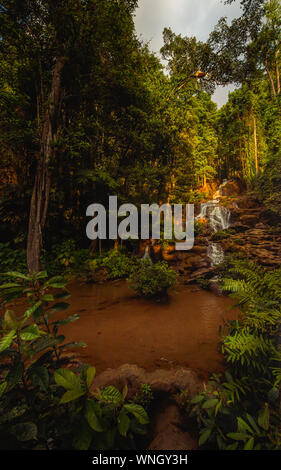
x,y
239,227
200,273
199,249
215,288
160,380
229,188
249,219
260,225
168,432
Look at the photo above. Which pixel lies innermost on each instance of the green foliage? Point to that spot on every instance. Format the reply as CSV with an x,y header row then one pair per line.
x,y
144,397
198,228
67,259
11,259
46,401
242,410
152,280
102,419
118,265
222,235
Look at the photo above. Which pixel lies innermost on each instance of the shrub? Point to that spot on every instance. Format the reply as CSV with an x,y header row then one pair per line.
x,y
46,400
118,265
67,259
153,280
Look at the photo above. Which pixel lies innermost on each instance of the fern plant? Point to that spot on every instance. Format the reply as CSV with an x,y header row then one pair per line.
x,y
242,409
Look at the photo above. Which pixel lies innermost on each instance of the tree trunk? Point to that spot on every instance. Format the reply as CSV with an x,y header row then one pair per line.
x,y
270,77
41,189
277,72
256,146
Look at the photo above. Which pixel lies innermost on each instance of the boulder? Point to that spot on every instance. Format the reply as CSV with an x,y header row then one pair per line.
x,y
161,380
239,227
214,287
199,249
168,432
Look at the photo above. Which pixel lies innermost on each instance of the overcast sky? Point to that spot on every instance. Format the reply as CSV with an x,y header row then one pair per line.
x,y
185,17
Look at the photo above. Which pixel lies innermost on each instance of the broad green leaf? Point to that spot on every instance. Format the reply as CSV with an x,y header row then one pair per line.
x,y
71,395
243,426
8,285
32,309
111,395
232,446
210,403
250,444
123,422
67,320
263,418
62,295
90,374
31,332
253,423
238,436
92,415
138,411
6,341
205,436
46,343
48,298
67,379
56,282
16,275
3,387
197,399
125,391
10,319
218,407
60,306
41,275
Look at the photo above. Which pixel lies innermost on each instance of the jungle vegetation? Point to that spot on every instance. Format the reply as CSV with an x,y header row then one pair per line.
x,y
86,111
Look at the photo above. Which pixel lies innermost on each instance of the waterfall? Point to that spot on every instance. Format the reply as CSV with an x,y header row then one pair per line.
x,y
215,253
147,253
218,218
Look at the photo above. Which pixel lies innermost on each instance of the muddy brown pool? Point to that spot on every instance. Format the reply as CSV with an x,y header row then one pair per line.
x,y
120,328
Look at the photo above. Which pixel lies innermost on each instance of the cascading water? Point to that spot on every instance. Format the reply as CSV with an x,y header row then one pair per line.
x,y
218,218
215,253
147,253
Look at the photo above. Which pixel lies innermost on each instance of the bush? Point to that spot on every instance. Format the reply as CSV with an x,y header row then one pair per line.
x,y
118,265
153,280
64,257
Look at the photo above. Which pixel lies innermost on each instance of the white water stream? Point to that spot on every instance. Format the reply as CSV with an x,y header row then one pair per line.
x,y
218,218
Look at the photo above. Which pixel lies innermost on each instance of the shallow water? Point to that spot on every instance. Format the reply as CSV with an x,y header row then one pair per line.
x,y
120,328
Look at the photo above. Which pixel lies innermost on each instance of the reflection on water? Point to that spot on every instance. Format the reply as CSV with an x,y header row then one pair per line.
x,y
120,328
